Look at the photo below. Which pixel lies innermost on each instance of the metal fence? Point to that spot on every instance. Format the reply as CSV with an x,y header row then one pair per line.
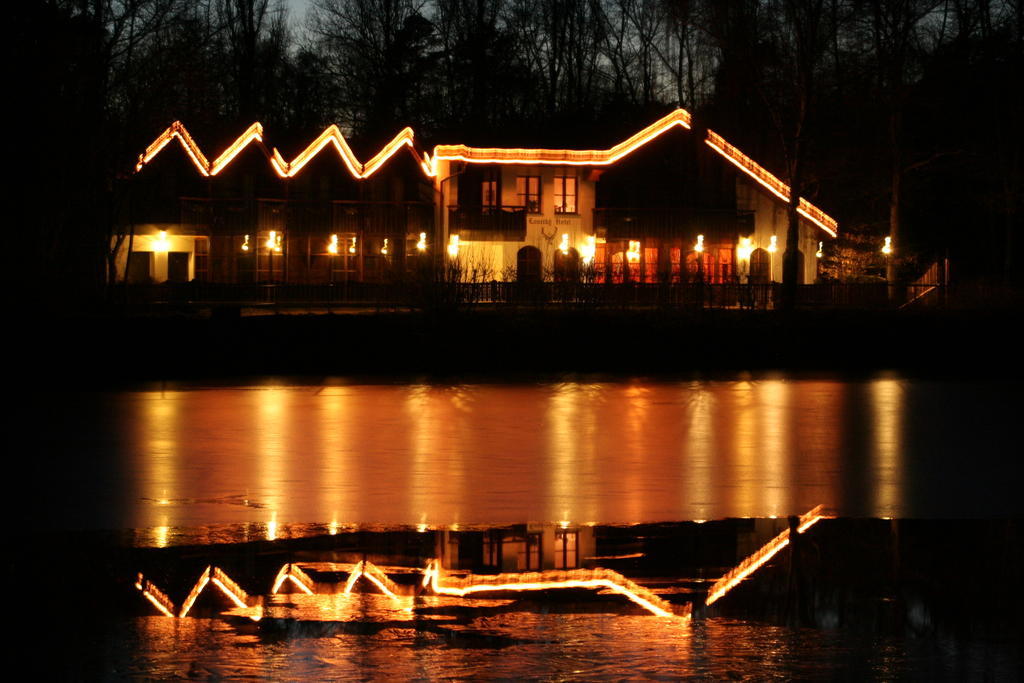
x,y
535,294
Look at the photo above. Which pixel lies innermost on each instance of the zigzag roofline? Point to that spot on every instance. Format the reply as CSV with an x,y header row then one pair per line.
x,y
332,135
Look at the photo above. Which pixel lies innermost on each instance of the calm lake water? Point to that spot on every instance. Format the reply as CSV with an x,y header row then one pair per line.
x,y
489,454
209,464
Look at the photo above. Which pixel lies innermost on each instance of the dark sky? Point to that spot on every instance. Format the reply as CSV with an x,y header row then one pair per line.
x,y
297,12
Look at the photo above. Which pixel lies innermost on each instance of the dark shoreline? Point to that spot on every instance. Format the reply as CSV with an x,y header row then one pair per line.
x,y
518,344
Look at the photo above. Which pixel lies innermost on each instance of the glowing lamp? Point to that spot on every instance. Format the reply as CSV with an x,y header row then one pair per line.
x,y
332,246
453,246
773,245
820,252
564,246
633,255
421,245
384,248
274,241
699,247
589,249
161,243
745,249
887,247
352,245
245,244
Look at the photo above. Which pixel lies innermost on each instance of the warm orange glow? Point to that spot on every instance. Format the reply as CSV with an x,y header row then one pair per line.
x,y
773,244
353,576
820,252
274,241
771,183
563,246
745,249
384,249
568,157
352,245
155,596
161,243
332,246
175,130
754,562
381,580
453,246
219,579
551,580
633,254
887,247
204,579
332,135
245,244
252,133
292,572
699,247
589,249
421,245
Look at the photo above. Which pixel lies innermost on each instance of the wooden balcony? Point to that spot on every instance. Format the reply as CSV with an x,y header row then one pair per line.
x,y
488,223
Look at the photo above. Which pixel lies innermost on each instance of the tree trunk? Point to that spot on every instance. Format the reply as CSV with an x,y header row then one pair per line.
x,y
895,188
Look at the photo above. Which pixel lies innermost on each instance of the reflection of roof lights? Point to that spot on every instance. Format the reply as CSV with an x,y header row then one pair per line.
x,y
293,573
550,580
219,579
754,562
155,596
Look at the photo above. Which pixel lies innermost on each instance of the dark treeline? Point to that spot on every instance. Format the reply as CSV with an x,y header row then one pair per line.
x,y
899,117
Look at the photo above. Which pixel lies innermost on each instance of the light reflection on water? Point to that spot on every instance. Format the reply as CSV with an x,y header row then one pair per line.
x,y
493,454
534,645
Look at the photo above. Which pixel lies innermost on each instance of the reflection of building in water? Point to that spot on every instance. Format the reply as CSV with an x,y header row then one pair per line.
x,y
526,547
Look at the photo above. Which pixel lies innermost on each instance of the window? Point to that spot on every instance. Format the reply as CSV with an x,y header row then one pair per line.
x,y
490,194
676,258
650,264
566,549
565,194
529,556
528,190
202,259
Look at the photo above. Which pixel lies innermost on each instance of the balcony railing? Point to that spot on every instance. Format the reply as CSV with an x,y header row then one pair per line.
x,y
631,223
482,223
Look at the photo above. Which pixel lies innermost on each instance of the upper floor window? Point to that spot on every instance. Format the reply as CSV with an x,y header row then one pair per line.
x,y
565,194
490,194
528,190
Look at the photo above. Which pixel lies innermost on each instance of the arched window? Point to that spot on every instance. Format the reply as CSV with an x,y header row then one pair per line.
x,y
760,267
528,265
567,266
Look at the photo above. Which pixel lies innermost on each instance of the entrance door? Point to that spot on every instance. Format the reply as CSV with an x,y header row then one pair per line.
x,y
177,266
140,267
528,264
